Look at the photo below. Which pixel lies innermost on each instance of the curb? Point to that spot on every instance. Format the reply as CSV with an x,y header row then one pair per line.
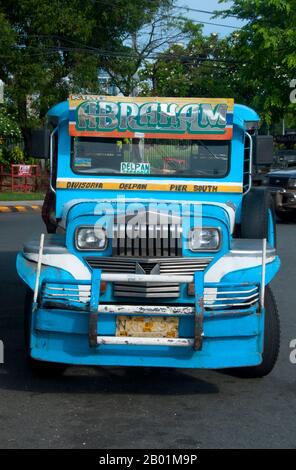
x,y
20,208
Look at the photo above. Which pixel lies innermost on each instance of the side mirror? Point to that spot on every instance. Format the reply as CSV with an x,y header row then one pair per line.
x,y
263,150
40,143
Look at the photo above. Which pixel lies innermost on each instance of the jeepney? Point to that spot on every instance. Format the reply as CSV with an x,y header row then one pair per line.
x,y
164,251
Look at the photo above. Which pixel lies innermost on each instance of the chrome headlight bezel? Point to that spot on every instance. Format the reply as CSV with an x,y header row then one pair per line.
x,y
93,228
217,230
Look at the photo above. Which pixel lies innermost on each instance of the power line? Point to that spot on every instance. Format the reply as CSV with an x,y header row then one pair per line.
x,y
214,64
107,3
213,13
208,23
112,53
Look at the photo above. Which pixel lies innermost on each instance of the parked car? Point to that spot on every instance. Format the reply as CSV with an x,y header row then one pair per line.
x,y
285,158
282,185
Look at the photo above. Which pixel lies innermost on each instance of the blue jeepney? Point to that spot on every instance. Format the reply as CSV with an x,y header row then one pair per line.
x,y
163,251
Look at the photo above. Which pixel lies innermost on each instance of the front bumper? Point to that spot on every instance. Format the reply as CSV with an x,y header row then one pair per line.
x,y
223,326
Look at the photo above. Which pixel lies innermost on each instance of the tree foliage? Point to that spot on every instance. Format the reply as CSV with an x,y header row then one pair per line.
x,y
199,68
49,48
264,50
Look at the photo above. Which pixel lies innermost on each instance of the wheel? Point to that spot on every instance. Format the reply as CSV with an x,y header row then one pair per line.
x,y
271,341
40,368
258,217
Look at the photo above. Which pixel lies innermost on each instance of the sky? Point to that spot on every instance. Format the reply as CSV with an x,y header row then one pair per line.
x,y
210,5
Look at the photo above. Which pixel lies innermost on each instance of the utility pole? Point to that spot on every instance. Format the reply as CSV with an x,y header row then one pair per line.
x,y
135,77
1,92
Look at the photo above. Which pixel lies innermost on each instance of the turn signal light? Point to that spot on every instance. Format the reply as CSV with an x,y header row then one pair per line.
x,y
103,287
191,290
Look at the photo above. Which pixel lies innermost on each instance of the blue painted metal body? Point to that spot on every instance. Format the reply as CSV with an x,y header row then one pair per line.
x,y
229,338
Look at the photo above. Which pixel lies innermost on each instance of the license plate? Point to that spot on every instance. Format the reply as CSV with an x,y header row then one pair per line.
x,y
141,327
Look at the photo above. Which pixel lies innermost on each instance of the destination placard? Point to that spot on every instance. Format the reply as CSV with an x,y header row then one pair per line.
x,y
150,117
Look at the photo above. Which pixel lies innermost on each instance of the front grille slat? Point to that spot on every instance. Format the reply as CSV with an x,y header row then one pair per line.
x,y
147,239
166,266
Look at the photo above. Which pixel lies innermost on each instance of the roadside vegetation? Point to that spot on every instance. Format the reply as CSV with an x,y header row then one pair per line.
x,y
52,48
18,196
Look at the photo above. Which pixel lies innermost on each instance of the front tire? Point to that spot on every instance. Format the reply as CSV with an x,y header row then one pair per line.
x,y
39,368
271,341
258,216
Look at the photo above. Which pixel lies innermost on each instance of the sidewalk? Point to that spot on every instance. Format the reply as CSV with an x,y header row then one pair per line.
x,y
20,206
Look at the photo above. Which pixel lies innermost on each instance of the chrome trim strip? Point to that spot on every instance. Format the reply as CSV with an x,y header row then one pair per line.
x,y
158,310
117,277
128,340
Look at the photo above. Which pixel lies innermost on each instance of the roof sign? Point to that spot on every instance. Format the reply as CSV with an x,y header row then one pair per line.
x,y
165,118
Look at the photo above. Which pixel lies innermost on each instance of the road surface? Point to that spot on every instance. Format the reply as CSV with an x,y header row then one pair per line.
x,y
141,408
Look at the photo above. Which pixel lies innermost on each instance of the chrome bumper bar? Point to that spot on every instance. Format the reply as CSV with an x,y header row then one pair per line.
x,y
134,341
159,278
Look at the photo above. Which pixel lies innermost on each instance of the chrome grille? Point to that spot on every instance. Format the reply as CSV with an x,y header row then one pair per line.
x,y
147,240
226,299
182,266
147,290
230,298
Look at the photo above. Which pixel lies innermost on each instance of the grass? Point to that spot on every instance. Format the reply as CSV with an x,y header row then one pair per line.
x,y
10,196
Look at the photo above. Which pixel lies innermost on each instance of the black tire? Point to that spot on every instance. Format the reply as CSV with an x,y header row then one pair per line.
x,y
40,368
51,228
271,342
256,206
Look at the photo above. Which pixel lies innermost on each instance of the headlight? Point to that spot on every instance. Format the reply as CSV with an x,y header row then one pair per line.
x,y
205,239
90,238
292,183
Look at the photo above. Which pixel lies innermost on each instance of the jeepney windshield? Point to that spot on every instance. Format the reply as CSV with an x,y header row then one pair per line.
x,y
155,157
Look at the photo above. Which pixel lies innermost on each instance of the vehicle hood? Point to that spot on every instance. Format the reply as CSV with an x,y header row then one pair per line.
x,y
291,173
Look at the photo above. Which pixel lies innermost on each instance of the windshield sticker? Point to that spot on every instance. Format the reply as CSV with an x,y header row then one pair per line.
x,y
83,162
135,168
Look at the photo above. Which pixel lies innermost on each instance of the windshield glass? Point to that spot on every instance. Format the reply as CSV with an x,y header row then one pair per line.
x,y
156,157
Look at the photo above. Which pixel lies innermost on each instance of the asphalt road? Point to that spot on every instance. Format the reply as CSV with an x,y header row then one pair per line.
x,y
141,408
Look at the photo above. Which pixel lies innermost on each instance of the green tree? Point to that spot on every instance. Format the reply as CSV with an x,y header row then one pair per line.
x,y
50,48
265,54
199,67
9,128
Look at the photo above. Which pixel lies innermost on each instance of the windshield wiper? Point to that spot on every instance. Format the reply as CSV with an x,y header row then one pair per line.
x,y
207,148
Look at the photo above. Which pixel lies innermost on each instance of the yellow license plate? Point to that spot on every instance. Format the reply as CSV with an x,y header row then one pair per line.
x,y
153,327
